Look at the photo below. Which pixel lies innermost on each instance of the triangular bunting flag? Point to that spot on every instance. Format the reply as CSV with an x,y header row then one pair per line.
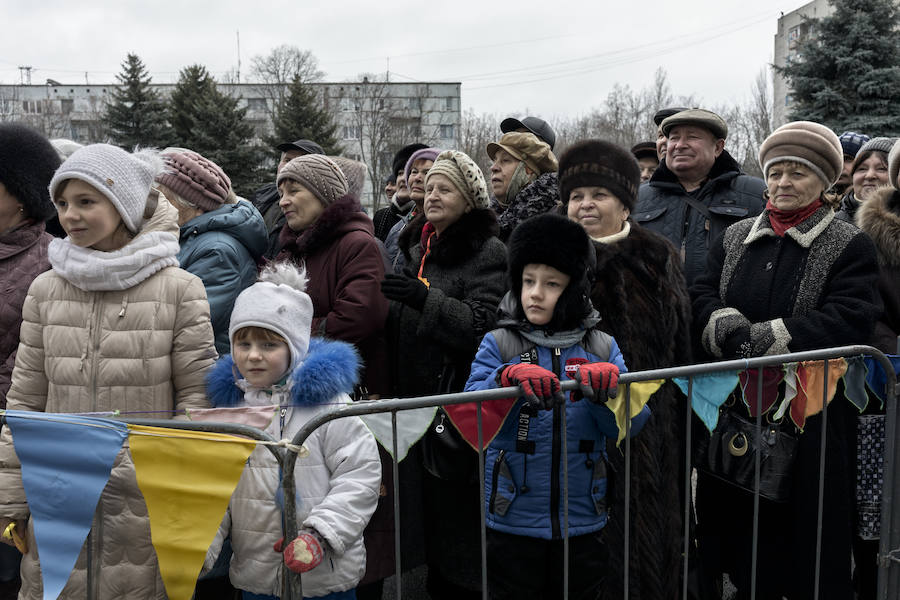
x,y
772,376
811,387
855,383
66,461
637,399
708,393
187,478
876,378
465,418
411,426
254,416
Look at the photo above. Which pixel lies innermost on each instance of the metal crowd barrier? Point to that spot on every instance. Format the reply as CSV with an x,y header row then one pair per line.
x,y
889,551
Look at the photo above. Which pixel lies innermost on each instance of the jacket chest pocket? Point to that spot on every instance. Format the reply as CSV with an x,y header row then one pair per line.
x,y
723,215
650,217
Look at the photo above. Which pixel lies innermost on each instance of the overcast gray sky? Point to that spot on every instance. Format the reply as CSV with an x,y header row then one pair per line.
x,y
551,58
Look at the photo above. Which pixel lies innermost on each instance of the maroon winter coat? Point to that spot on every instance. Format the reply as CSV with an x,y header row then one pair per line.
x,y
345,268
23,256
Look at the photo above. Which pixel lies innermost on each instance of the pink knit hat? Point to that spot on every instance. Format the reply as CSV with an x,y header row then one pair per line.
x,y
195,179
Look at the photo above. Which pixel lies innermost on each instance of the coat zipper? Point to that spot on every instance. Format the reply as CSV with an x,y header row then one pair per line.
x,y
556,450
95,346
495,476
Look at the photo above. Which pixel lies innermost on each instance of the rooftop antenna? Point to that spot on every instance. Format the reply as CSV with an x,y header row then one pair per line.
x,y
387,76
239,55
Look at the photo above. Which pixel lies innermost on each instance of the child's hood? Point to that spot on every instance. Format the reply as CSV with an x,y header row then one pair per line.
x,y
331,368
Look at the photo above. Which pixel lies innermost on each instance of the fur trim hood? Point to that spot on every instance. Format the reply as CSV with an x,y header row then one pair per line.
x,y
458,243
879,217
330,368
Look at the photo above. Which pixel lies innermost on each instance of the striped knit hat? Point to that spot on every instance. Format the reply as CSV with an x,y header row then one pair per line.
x,y
317,173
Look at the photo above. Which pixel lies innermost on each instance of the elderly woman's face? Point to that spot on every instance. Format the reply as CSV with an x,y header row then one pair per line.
x,y
300,206
597,210
502,169
869,175
793,186
444,203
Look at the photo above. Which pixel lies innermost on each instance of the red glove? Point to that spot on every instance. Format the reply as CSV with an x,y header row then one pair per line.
x,y
598,381
304,553
540,387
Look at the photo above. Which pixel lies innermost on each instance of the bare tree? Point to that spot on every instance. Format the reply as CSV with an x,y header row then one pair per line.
x,y
277,69
749,123
476,132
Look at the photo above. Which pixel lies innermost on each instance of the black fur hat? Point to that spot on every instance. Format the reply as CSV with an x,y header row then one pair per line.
x,y
602,164
403,155
27,164
555,241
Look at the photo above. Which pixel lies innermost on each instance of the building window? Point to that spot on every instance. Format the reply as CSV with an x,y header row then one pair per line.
x,y
787,99
349,104
256,104
413,103
446,132
794,34
448,103
32,106
66,105
351,132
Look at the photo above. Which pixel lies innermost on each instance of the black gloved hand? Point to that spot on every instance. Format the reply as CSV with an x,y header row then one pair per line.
x,y
407,290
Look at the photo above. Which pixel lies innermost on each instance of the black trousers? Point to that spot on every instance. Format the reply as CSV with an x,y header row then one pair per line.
x,y
524,567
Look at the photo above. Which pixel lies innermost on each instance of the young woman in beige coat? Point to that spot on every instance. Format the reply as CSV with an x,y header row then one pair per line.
x,y
115,325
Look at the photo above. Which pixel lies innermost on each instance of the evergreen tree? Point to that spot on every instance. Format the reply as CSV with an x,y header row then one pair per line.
x,y
209,122
135,116
300,115
848,72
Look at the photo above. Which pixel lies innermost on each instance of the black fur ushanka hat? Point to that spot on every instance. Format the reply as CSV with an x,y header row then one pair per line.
x,y
27,164
601,164
555,241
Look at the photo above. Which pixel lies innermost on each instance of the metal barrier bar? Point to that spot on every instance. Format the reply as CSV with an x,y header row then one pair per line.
x,y
627,528
395,466
687,490
821,498
757,462
565,464
889,551
481,500
362,408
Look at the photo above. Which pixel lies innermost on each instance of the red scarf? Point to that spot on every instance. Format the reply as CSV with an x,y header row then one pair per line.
x,y
782,220
428,233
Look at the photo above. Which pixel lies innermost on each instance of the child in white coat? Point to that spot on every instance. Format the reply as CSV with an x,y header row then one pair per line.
x,y
275,364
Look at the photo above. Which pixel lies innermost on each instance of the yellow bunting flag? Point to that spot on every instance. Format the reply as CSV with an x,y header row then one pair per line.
x,y
640,394
187,478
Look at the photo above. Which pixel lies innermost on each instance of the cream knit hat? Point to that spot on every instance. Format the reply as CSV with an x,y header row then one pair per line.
x,y
122,177
465,175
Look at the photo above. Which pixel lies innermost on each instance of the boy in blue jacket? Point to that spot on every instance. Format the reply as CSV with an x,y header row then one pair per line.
x,y
547,326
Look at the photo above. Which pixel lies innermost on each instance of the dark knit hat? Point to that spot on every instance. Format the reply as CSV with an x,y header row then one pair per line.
x,y
877,144
317,173
894,165
27,163
195,179
807,143
403,154
602,164
851,142
555,241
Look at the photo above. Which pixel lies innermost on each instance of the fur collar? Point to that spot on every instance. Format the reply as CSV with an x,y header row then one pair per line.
x,y
458,243
329,369
879,216
336,220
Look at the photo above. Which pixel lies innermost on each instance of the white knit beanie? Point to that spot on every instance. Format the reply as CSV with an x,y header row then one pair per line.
x,y
277,301
124,178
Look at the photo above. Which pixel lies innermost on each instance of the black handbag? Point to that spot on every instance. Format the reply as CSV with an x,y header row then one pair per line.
x,y
733,447
445,454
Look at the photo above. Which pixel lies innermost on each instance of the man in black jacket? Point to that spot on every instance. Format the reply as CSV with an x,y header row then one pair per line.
x,y
698,190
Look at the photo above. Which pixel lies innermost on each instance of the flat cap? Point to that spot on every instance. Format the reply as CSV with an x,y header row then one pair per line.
x,y
699,117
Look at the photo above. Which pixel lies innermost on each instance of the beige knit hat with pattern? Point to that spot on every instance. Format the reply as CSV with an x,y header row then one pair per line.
x,y
810,144
317,173
465,175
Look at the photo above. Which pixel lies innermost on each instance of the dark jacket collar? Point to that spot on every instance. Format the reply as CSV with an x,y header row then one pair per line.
x,y
723,170
342,216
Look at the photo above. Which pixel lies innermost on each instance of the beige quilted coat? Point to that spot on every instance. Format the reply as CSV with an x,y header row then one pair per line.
x,y
146,348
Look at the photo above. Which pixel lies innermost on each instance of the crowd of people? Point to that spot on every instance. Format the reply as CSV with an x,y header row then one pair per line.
x,y
139,282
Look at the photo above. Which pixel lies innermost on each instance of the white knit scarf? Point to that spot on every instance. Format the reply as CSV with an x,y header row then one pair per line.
x,y
98,271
